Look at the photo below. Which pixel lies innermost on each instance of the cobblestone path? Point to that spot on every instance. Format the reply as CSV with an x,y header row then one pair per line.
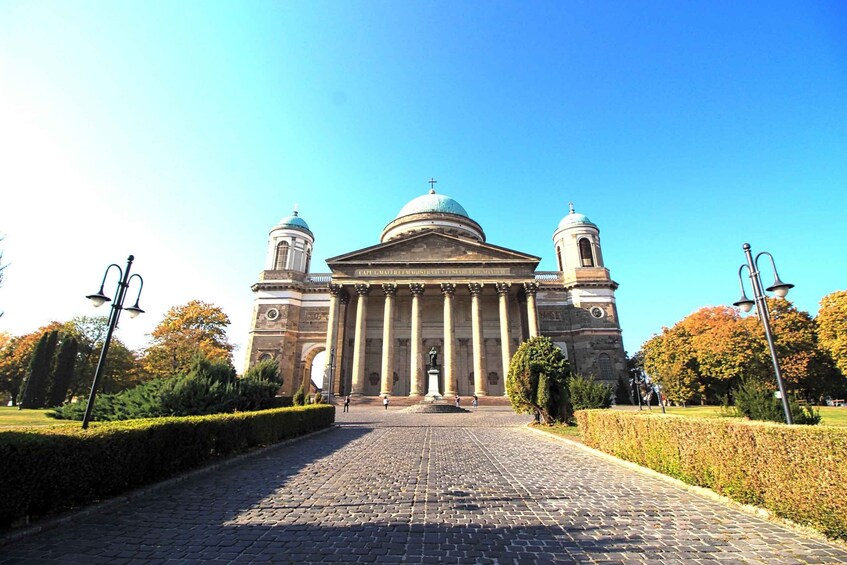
x,y
418,488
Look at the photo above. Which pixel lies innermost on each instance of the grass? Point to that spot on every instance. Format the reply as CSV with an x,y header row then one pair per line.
x,y
11,416
830,415
570,432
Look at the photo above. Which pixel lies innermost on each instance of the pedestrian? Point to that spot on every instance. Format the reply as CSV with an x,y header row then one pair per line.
x,y
385,401
347,403
458,401
475,401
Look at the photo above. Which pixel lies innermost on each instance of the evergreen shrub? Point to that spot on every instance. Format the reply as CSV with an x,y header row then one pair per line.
x,y
300,397
756,401
796,472
43,470
586,393
208,388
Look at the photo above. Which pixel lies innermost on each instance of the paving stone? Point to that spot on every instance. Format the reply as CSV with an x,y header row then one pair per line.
x,y
423,488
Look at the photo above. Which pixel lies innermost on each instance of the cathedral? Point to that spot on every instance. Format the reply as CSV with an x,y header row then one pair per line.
x,y
432,282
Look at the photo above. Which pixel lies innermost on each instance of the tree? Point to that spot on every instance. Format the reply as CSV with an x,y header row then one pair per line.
x,y
832,328
670,362
123,369
805,366
40,369
185,331
537,382
63,373
15,358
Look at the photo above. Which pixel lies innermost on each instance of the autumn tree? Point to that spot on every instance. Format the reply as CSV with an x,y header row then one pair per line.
x,y
832,328
670,362
196,328
805,366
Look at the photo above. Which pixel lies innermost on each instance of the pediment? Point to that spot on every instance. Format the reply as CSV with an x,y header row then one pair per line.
x,y
432,248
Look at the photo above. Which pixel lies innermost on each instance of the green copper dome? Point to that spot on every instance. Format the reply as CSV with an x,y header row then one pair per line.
x,y
432,202
574,219
294,221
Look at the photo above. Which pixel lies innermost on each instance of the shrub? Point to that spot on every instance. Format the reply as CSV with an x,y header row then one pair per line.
x,y
318,398
537,381
587,393
50,469
209,388
756,401
300,397
796,472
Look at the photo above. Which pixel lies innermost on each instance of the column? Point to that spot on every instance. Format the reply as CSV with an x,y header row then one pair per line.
x,y
416,375
480,378
505,342
340,374
387,370
331,338
449,353
358,387
531,289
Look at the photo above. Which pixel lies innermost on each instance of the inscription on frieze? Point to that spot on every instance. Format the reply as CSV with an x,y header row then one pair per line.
x,y
550,315
317,316
441,272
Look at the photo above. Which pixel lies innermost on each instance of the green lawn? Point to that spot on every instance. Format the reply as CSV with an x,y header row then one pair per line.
x,y
831,415
11,416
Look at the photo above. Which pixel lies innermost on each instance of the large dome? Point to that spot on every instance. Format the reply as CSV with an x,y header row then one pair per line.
x,y
432,211
432,202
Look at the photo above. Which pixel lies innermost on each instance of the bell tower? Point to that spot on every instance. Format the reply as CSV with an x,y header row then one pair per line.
x,y
290,246
593,338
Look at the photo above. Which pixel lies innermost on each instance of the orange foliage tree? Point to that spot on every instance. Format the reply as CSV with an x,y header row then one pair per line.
x,y
832,328
189,330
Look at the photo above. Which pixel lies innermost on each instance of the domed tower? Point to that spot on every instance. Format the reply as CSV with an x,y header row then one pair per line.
x,y
290,245
594,335
577,242
432,211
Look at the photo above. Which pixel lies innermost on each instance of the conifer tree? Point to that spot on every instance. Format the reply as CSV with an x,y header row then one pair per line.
x,y
65,361
40,366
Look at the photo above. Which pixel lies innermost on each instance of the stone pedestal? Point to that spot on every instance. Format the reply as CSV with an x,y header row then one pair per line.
x,y
432,392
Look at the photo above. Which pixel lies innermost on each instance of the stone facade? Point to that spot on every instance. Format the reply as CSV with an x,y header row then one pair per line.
x,y
432,282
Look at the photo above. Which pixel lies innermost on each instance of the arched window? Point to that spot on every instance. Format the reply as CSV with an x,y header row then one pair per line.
x,y
559,257
281,256
585,254
605,363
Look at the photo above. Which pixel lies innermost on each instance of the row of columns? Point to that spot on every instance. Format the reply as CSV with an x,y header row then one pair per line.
x,y
418,381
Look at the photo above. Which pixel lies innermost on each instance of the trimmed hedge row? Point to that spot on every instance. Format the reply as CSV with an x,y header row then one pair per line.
x,y
47,469
796,472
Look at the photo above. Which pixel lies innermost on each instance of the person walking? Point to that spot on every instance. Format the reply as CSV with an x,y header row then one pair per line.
x,y
347,403
458,401
475,401
385,401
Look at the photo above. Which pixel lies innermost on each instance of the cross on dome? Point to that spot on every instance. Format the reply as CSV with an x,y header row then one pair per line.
x,y
432,182
571,207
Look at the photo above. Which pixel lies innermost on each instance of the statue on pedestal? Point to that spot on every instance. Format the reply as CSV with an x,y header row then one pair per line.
x,y
433,358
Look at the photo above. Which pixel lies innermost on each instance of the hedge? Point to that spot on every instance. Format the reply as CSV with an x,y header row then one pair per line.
x,y
795,472
43,470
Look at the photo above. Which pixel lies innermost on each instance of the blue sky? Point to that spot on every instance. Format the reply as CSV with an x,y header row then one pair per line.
x,y
182,132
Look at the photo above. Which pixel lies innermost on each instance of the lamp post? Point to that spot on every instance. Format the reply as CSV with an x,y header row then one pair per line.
x,y
117,305
780,289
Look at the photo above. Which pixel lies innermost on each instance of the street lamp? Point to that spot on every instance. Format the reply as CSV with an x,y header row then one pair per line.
x,y
98,298
780,289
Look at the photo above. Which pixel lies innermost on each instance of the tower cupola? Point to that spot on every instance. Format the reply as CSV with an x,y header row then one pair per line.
x,y
577,241
290,245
